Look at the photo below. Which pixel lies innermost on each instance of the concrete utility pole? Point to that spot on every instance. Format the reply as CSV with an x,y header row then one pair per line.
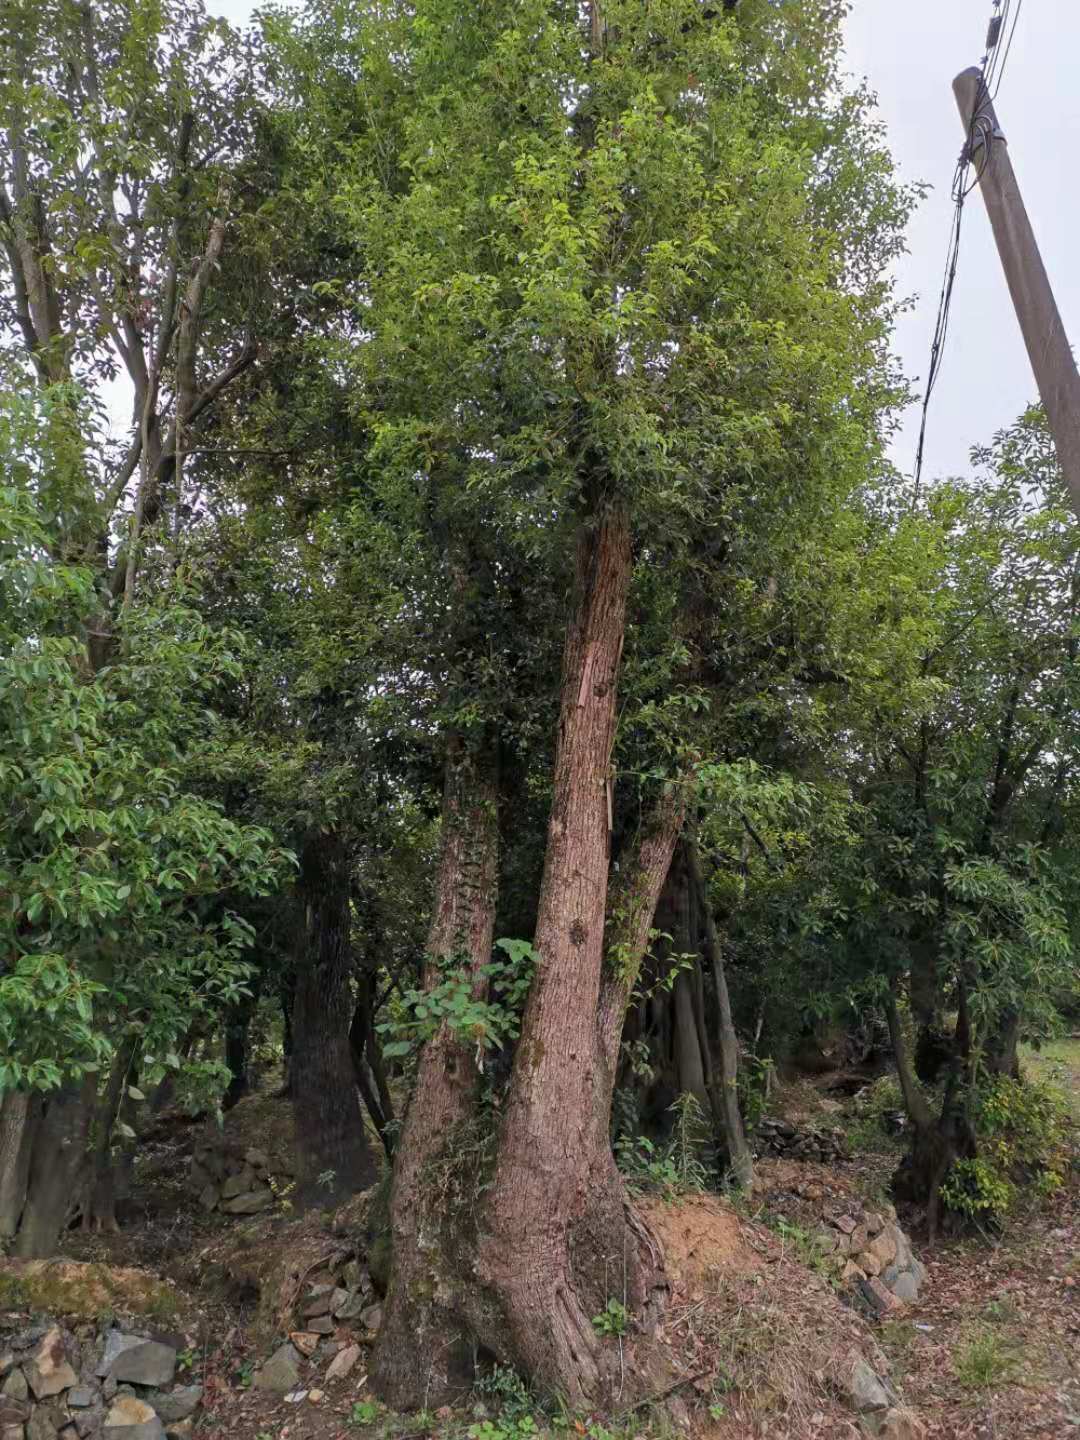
x,y
1036,309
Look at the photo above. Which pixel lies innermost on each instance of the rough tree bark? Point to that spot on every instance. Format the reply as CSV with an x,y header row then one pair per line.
x,y
19,1114
559,1238
99,1199
334,1153
424,1354
57,1165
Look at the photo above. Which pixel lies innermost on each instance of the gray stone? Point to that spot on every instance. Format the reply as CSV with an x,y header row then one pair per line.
x,y
238,1184
258,1159
905,1287
320,1325
14,1412
209,1196
7,1360
15,1385
343,1363
281,1373
148,1362
116,1342
178,1404
372,1317
46,1421
355,1277
108,1388
351,1307
49,1371
251,1203
869,1392
89,1422
319,1301
81,1398
12,1432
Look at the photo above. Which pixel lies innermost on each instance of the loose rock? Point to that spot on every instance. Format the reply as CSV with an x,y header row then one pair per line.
x,y
281,1373
49,1371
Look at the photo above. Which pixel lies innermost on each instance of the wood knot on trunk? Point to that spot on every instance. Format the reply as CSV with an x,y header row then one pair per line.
x,y
578,932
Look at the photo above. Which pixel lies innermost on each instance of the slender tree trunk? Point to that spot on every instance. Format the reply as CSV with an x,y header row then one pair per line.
x,y
424,1354
742,1164
632,914
237,1029
559,1239
287,996
19,1114
57,1166
335,1157
99,1203
365,1082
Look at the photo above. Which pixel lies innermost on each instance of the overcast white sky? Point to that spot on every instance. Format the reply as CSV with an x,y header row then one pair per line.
x,y
909,50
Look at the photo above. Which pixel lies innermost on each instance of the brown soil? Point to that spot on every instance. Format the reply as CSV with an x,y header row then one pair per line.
x,y
702,1238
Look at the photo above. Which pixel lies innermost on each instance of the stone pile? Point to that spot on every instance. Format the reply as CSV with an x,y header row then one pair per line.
x,y
785,1141
875,1256
334,1319
85,1384
235,1180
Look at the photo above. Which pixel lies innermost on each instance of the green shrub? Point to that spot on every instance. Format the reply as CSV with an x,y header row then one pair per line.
x,y
1022,1128
679,1167
986,1360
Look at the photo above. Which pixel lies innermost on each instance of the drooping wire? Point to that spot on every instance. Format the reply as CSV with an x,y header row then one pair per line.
x,y
979,143
1008,49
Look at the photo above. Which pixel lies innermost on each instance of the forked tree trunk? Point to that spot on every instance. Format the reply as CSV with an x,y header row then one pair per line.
x,y
57,1167
558,1237
424,1354
19,1113
335,1156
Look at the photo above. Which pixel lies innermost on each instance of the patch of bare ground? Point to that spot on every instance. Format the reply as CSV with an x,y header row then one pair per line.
x,y
762,1345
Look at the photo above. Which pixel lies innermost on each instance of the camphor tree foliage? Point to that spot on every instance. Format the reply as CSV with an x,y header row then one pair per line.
x,y
124,129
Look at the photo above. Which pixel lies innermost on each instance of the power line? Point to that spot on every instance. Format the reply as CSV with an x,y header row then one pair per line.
x,y
980,140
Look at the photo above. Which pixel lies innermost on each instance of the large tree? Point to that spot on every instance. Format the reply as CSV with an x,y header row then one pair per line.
x,y
619,283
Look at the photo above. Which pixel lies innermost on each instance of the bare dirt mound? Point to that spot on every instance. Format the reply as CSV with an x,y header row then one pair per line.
x,y
703,1240
759,1343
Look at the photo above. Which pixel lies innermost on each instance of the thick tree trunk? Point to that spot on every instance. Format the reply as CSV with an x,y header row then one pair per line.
x,y
559,1239
334,1153
19,1114
424,1355
57,1164
742,1164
